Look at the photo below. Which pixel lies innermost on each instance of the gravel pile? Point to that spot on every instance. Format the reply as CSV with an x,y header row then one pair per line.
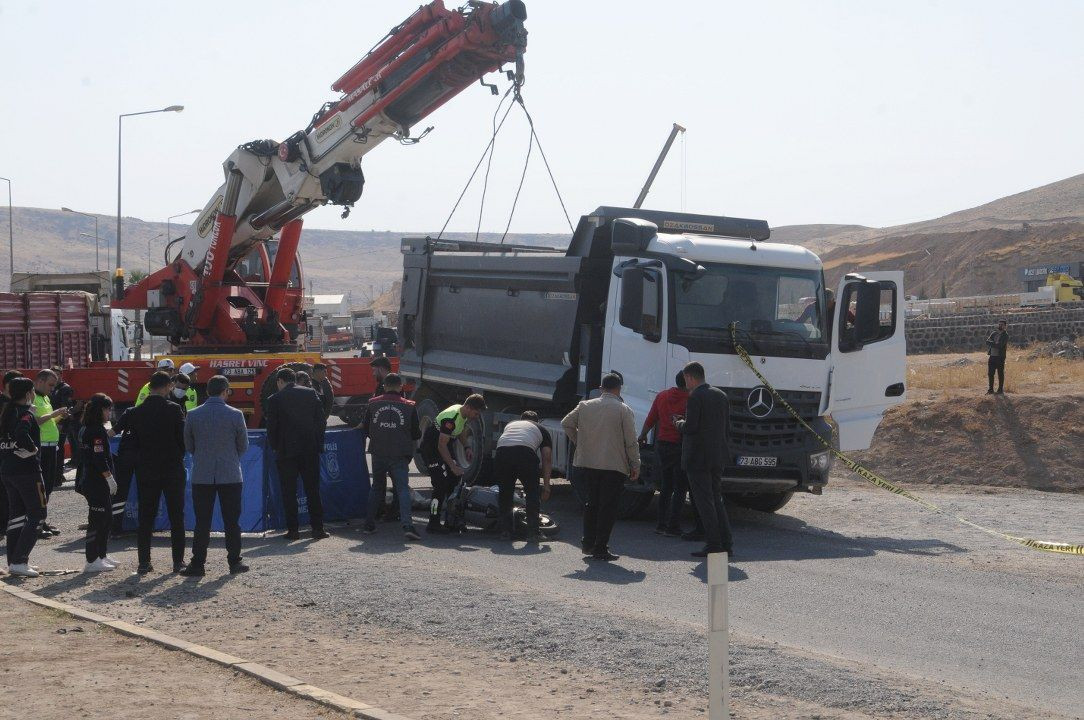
x,y
1064,348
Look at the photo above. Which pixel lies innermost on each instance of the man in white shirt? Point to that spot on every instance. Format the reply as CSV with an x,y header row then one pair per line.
x,y
523,446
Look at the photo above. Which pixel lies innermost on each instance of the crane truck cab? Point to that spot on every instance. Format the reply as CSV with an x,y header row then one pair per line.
x,y
644,292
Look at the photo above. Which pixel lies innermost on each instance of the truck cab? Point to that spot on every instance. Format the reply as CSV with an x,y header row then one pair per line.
x,y
644,292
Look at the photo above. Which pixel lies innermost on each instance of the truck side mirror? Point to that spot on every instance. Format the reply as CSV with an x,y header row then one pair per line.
x,y
641,302
867,322
632,298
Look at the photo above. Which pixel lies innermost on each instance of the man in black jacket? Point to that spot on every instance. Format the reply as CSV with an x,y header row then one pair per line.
x,y
391,422
157,428
295,431
322,386
997,345
704,455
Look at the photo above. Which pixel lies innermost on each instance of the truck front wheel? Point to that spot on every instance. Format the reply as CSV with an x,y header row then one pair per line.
x,y
764,502
632,505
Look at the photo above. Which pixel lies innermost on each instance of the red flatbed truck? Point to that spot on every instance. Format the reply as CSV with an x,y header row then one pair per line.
x,y
42,329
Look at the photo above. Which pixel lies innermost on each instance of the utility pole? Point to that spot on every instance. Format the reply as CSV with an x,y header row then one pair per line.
x,y
11,233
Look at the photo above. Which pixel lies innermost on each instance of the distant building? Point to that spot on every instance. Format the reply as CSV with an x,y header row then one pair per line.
x,y
330,305
95,283
1034,277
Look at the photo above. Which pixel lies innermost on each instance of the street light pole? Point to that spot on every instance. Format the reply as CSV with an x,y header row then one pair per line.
x,y
88,235
97,264
120,127
11,232
149,241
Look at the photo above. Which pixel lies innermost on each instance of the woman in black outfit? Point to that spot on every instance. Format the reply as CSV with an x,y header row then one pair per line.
x,y
98,484
5,398
20,469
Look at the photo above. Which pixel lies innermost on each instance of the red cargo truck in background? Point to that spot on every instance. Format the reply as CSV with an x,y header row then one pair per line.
x,y
42,329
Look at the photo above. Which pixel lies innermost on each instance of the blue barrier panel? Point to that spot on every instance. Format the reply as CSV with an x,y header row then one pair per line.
x,y
344,481
252,493
344,486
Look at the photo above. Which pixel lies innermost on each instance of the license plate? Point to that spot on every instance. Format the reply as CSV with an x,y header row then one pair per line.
x,y
757,461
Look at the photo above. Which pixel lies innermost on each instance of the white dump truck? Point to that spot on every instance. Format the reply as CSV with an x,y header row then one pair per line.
x,y
644,292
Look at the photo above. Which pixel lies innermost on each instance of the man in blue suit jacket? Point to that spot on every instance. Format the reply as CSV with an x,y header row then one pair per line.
x,y
216,437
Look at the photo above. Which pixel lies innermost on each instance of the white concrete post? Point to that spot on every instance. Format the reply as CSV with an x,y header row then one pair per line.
x,y
718,639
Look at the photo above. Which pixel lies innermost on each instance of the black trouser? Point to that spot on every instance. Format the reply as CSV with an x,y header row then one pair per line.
x,y
3,508
71,433
99,515
517,462
203,502
308,467
151,487
123,470
49,469
996,365
443,481
706,489
26,509
674,488
604,488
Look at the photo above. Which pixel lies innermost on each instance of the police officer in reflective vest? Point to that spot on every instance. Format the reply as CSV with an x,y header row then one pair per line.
x,y
436,450
191,399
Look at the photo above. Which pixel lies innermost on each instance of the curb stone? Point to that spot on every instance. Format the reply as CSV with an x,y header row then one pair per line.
x,y
272,678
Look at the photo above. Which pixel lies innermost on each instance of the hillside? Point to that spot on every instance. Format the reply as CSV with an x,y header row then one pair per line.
x,y
972,251
363,263
1057,202
978,262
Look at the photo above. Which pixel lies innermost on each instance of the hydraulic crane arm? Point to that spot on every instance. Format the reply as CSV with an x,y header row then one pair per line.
x,y
421,64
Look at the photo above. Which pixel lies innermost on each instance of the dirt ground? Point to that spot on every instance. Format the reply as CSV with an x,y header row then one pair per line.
x,y
951,432
54,667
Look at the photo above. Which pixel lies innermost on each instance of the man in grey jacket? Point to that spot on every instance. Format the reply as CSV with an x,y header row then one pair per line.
x,y
607,454
216,436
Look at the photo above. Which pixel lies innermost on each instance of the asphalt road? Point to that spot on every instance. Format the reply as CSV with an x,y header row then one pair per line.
x,y
857,599
868,577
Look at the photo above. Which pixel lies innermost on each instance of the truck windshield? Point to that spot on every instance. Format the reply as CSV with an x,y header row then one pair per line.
x,y
779,311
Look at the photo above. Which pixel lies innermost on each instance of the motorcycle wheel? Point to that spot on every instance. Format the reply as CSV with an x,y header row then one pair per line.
x,y
546,524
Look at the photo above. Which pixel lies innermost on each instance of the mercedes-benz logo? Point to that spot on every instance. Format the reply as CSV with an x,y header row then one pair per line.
x,y
760,402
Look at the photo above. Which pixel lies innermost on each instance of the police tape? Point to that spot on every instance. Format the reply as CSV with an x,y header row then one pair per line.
x,y
875,479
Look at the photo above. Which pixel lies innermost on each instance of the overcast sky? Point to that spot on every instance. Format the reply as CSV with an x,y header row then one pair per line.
x,y
798,112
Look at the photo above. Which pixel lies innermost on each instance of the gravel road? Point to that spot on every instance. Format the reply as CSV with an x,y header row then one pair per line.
x,y
857,601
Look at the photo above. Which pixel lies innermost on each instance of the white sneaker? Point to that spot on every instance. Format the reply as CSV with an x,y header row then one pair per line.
x,y
98,565
110,560
23,570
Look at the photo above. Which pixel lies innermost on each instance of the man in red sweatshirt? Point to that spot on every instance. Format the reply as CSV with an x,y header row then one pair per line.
x,y
669,407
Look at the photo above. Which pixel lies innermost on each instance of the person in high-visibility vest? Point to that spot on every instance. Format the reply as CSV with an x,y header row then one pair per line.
x,y
191,400
164,364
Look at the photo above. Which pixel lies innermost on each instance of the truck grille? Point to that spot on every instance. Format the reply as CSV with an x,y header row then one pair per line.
x,y
775,431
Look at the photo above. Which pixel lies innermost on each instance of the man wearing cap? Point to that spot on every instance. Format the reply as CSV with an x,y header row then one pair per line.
x,y
191,400
165,365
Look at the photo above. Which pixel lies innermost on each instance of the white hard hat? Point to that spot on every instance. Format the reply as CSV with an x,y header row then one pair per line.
x,y
188,368
165,364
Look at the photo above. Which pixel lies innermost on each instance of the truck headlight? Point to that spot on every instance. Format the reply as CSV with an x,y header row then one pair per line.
x,y
820,462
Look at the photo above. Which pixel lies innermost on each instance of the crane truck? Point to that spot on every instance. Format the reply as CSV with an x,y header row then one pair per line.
x,y
229,298
643,292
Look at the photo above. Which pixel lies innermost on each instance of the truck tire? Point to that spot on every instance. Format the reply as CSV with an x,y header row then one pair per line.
x,y
764,502
632,505
427,411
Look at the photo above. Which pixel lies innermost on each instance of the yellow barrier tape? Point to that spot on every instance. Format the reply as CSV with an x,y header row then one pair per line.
x,y
874,478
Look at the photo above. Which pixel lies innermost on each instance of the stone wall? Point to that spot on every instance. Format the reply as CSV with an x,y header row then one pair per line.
x,y
968,332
